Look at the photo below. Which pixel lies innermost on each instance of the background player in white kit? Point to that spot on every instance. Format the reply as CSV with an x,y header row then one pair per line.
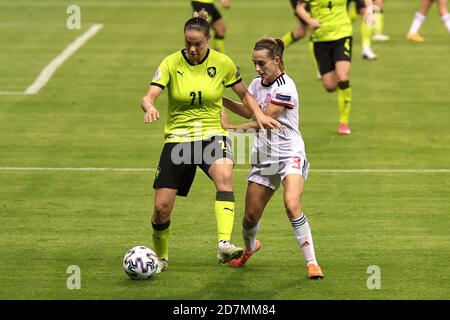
x,y
280,155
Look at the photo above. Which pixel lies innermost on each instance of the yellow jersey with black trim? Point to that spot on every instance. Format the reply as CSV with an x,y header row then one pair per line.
x,y
334,21
195,94
205,1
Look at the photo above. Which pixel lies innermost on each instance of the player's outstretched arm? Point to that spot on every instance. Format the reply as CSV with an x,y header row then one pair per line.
x,y
148,104
227,125
249,101
237,107
272,111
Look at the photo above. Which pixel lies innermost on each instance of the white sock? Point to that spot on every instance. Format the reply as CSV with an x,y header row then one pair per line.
x,y
249,235
417,23
446,20
302,233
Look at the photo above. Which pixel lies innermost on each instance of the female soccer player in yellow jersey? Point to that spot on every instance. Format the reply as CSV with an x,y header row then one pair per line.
x,y
365,29
280,155
425,5
196,78
300,31
216,20
332,37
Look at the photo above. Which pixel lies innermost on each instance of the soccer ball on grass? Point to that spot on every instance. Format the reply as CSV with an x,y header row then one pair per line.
x,y
140,263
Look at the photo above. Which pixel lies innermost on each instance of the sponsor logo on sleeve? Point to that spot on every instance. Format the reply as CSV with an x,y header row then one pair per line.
x,y
283,97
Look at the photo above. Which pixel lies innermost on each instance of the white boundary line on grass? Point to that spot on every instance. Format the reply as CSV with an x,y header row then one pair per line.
x,y
50,69
239,170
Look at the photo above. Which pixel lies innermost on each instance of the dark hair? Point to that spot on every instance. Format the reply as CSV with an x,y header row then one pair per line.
x,y
274,46
199,22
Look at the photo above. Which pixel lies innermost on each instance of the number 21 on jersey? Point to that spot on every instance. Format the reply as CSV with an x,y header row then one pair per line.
x,y
194,96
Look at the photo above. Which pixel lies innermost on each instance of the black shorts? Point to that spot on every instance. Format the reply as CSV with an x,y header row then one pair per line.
x,y
360,4
329,52
178,162
209,7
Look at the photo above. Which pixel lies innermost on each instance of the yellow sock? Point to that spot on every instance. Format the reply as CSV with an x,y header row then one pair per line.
x,y
219,44
379,22
224,208
344,101
365,35
352,13
161,239
311,50
288,39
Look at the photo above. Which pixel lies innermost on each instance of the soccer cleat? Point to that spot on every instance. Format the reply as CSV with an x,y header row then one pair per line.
x,y
369,54
415,37
227,251
237,263
162,265
314,272
379,37
344,129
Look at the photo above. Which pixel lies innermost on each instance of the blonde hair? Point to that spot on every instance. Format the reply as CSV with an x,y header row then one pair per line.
x,y
201,14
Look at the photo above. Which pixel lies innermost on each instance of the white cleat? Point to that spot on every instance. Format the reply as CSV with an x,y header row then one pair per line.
x,y
379,37
163,264
369,54
227,251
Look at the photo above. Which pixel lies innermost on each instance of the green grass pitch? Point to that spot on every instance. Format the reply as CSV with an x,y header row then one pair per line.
x,y
88,116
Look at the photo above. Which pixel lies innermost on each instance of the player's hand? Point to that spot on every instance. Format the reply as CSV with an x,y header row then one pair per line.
x,y
151,114
225,4
314,24
224,120
267,122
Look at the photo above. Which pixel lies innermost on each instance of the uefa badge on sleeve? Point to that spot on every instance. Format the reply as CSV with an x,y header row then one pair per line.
x,y
157,75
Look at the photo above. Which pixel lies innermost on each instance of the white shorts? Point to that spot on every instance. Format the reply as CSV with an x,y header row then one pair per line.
x,y
272,174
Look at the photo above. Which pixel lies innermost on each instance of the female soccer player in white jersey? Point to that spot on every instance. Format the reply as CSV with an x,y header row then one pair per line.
x,y
280,155
419,18
196,78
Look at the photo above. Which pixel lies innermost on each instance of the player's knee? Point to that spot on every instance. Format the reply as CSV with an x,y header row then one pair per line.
x,y
292,209
220,29
250,220
330,87
224,183
161,211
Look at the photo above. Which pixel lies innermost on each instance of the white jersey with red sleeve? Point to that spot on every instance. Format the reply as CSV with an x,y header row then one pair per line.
x,y
273,145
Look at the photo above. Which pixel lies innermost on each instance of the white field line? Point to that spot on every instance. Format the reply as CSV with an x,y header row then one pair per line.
x,y
50,69
239,170
11,93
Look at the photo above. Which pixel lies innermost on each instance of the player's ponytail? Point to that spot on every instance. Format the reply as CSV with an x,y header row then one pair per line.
x,y
199,22
274,46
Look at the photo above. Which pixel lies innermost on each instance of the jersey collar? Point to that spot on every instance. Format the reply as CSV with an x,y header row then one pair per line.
x,y
270,84
183,52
